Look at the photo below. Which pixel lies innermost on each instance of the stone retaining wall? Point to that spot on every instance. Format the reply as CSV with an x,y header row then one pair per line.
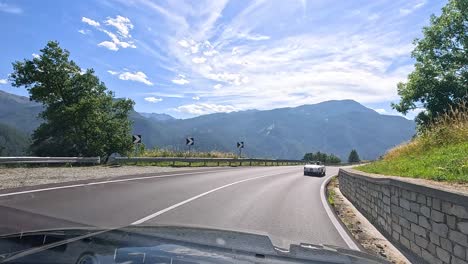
x,y
429,224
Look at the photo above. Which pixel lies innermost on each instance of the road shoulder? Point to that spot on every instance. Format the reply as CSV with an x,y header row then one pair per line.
x,y
25,179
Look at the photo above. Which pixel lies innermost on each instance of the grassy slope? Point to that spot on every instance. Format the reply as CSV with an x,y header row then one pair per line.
x,y
440,153
447,163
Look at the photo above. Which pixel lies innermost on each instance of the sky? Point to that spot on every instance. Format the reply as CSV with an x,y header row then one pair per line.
x,y
189,58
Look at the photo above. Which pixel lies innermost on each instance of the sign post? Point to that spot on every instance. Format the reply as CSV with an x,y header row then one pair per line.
x,y
189,142
240,146
137,141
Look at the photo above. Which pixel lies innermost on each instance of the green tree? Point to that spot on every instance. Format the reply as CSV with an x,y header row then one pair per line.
x,y
353,156
440,77
81,118
332,159
323,157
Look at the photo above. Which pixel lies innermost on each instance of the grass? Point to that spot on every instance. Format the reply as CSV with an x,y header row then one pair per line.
x,y
331,197
331,194
439,153
180,154
208,164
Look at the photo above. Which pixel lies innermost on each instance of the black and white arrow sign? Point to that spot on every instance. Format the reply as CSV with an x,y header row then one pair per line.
x,y
136,139
240,144
189,141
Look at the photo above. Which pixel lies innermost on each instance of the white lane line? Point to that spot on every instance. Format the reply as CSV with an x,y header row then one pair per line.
x,y
103,182
151,216
349,241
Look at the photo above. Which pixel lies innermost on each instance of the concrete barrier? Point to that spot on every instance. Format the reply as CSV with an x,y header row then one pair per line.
x,y
427,223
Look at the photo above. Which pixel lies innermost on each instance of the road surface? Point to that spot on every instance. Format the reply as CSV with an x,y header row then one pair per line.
x,y
278,201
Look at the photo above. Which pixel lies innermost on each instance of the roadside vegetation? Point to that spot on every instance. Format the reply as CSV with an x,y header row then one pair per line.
x,y
440,152
157,152
438,87
353,157
322,157
81,116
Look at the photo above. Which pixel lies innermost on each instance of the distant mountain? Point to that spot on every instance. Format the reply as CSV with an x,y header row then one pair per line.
x,y
157,117
12,141
19,112
333,127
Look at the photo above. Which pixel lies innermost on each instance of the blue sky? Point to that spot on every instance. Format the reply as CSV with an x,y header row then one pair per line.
x,y
188,58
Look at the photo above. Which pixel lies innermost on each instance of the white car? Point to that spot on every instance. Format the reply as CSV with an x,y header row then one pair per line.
x,y
317,169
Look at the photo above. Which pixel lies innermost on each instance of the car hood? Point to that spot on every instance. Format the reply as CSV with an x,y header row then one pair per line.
x,y
209,245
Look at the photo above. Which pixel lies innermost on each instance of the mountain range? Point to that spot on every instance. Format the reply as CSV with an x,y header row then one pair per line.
x,y
332,127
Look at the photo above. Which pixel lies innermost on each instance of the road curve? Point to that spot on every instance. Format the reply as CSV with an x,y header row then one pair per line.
x,y
278,201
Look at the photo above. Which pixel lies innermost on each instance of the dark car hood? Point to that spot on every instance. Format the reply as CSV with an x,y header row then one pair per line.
x,y
202,245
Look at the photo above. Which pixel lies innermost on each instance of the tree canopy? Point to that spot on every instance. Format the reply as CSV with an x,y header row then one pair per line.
x,y
81,118
323,157
353,156
440,77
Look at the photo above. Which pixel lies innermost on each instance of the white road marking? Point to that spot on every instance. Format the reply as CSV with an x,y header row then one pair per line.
x,y
349,241
151,216
102,182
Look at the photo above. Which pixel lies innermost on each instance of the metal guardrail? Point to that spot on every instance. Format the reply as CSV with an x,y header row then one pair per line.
x,y
173,160
49,160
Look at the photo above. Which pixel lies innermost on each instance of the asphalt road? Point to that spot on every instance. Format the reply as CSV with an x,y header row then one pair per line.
x,y
278,201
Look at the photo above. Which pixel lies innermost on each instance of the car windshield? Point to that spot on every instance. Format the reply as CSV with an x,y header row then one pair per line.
x,y
262,131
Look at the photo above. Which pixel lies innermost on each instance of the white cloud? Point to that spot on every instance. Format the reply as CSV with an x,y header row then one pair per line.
x,y
210,53
232,78
236,63
84,31
153,99
184,43
196,98
255,37
121,39
7,8
199,60
35,56
135,76
203,109
90,22
109,45
112,72
374,17
408,10
170,95
3,81
194,49
181,80
381,111
122,24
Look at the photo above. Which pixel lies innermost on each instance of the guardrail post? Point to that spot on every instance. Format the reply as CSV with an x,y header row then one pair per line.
x,y
218,163
250,164
240,163
204,163
229,163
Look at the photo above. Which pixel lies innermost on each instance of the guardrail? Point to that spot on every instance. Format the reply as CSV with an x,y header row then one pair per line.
x,y
230,161
50,160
